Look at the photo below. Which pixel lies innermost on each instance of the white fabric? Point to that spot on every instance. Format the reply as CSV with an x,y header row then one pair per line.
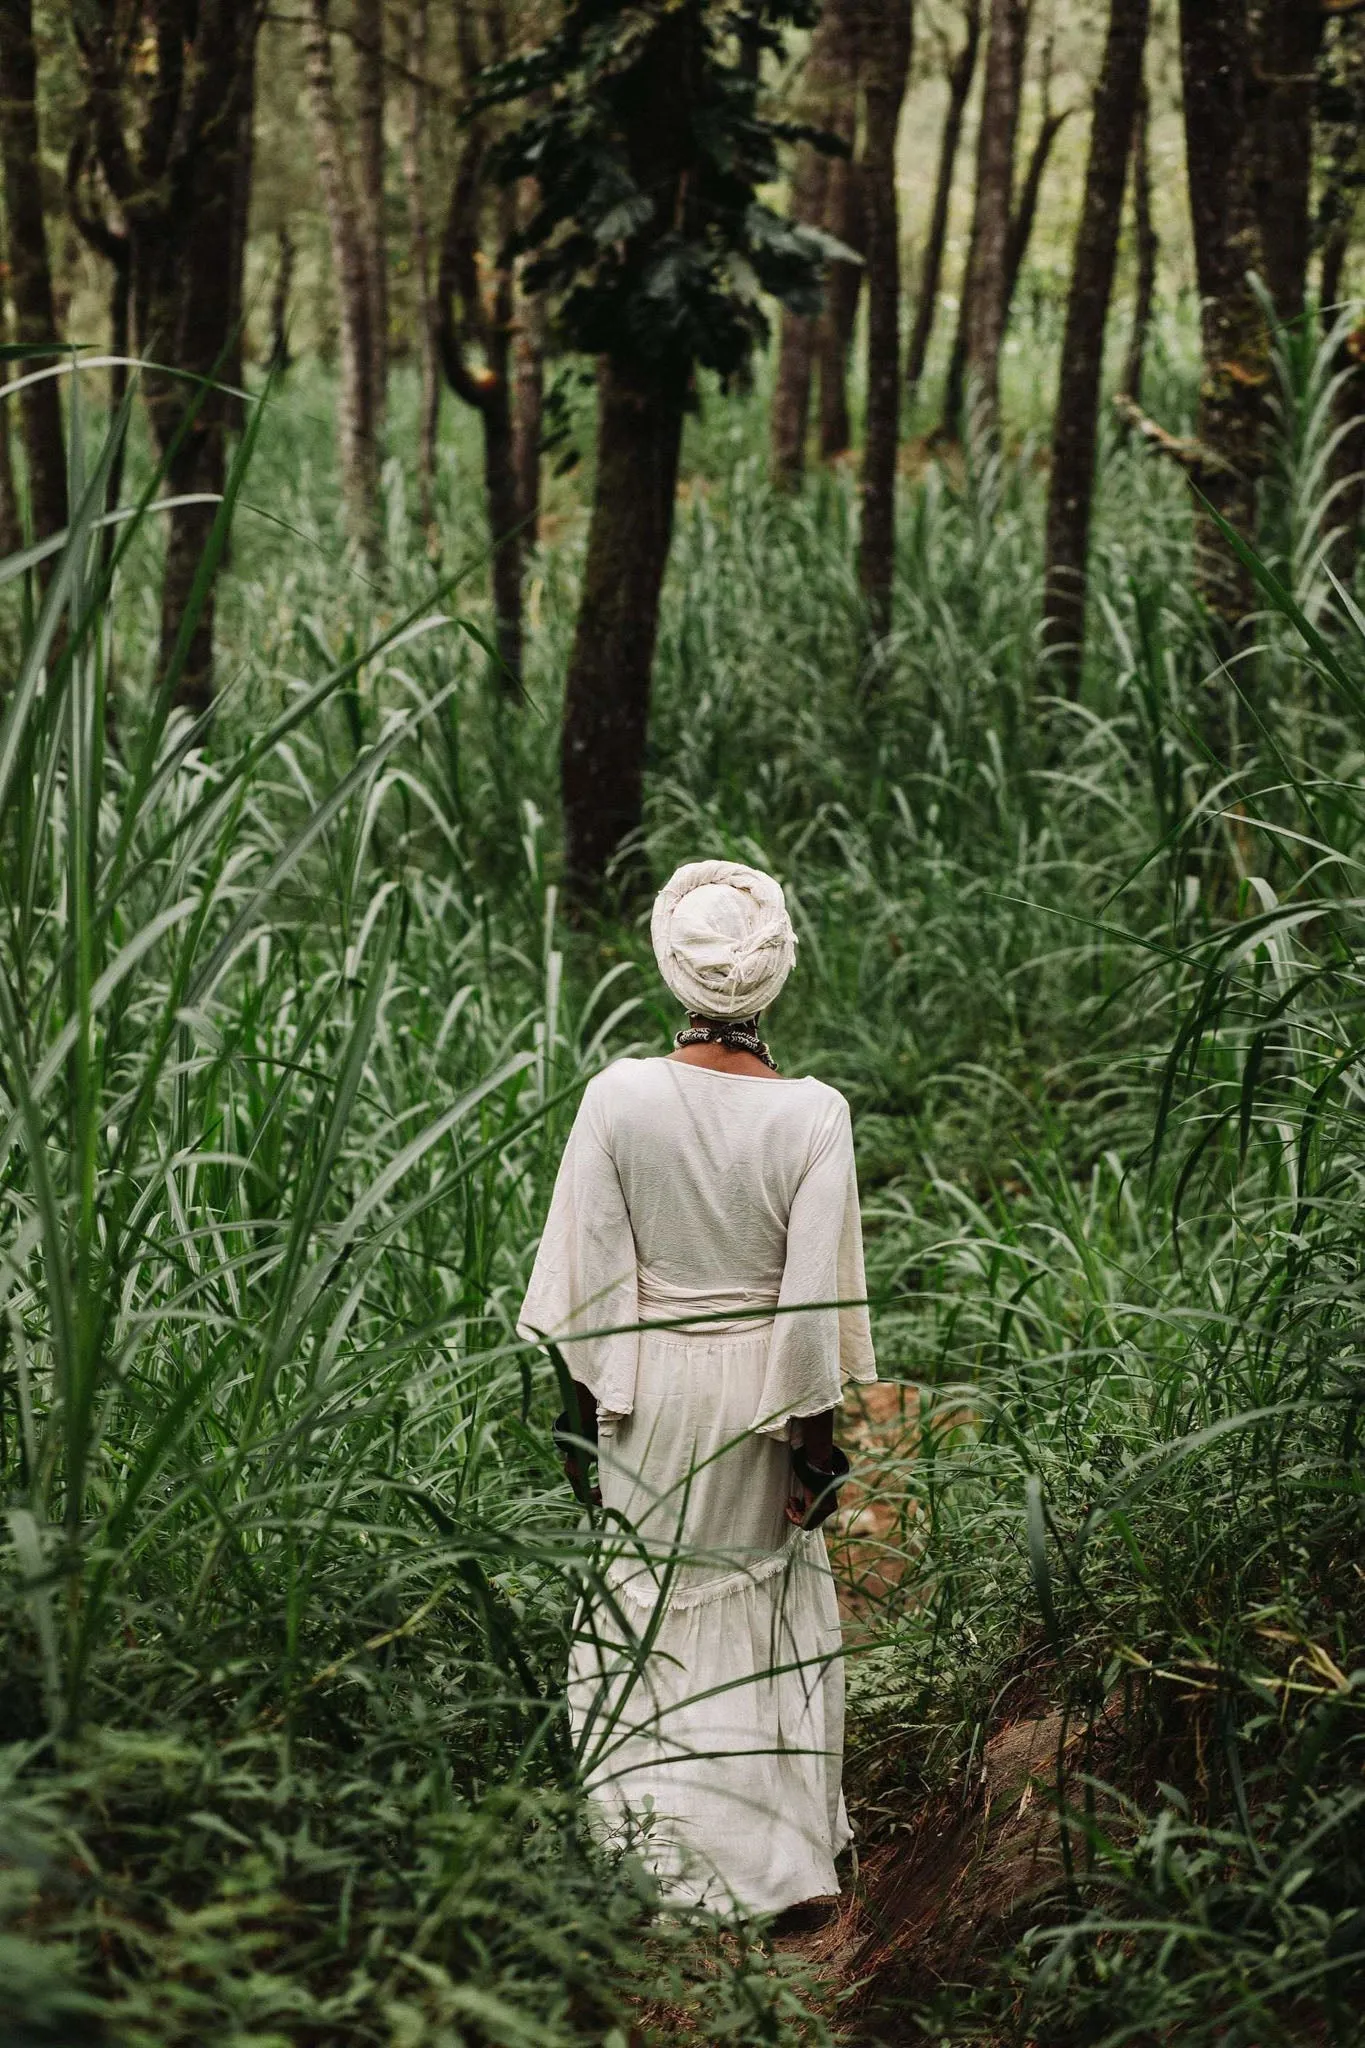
x,y
710,1727
722,938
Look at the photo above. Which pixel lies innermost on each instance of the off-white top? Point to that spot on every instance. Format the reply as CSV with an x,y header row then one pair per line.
x,y
689,1192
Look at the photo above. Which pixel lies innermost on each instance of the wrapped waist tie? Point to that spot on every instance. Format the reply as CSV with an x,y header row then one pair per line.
x,y
732,1312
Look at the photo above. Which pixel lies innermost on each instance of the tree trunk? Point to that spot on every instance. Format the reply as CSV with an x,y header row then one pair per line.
x,y
369,110
1344,174
417,45
463,315
88,215
186,285
1145,237
885,49
1342,112
844,220
120,345
826,75
960,77
1335,248
188,530
528,409
11,524
1078,387
796,345
606,702
501,480
243,160
504,523
35,320
359,429
1021,234
986,286
280,357
1026,212
177,182
1220,146
1288,36
1346,468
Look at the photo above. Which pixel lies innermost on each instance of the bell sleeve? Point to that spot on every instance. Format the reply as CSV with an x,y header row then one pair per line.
x,y
583,1295
813,1351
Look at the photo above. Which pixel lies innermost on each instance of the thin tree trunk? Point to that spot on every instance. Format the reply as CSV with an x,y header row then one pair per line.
x,y
885,42
419,227
1343,150
796,344
1346,469
982,324
606,702
369,110
501,481
359,429
844,219
960,76
1345,171
1021,234
1335,247
463,314
243,165
504,520
1026,212
11,524
35,319
86,211
120,343
847,221
187,536
1220,144
281,358
528,409
1145,237
825,75
1282,83
1078,386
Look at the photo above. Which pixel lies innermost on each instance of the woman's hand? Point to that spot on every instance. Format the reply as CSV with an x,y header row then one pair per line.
x,y
576,1473
799,1504
819,1469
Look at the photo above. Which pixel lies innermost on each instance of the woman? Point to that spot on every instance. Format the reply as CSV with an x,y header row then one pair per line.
x,y
702,1270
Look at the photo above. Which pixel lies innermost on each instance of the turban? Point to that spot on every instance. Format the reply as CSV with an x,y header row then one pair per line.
x,y
722,938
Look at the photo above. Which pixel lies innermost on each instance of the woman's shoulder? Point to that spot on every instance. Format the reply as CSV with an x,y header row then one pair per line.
x,y
622,1080
828,1097
635,1079
616,1076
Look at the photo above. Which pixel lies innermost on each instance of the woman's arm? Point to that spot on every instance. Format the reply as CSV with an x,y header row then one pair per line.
x,y
817,1433
583,1424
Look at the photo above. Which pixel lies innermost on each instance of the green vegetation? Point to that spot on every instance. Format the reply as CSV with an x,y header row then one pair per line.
x,y
290,1034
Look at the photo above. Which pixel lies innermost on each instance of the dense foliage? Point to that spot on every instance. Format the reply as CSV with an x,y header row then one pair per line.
x,y
635,261
290,1035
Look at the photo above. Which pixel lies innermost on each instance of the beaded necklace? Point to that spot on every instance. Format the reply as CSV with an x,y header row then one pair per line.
x,y
738,1034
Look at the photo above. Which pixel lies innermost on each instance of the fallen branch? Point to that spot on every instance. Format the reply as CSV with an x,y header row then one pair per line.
x,y
1194,457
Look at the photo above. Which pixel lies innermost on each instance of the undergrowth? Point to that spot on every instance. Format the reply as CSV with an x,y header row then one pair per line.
x,y
291,1035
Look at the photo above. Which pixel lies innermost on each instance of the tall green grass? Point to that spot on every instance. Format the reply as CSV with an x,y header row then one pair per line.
x,y
287,1055
290,1041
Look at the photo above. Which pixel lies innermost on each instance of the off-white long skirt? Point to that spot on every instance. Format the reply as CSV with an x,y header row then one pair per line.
x,y
706,1687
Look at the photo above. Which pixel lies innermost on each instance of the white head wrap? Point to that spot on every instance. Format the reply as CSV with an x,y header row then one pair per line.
x,y
722,938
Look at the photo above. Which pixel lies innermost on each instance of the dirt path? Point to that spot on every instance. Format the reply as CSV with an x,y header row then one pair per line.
x,y
973,1855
